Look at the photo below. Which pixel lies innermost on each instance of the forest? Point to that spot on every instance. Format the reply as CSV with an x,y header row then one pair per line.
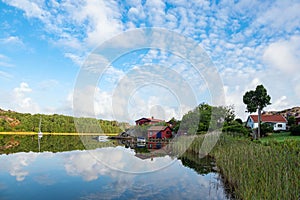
x,y
11,121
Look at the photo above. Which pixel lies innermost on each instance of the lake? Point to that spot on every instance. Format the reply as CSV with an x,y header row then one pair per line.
x,y
108,173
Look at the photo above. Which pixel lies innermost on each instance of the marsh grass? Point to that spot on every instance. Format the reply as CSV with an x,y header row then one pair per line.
x,y
254,170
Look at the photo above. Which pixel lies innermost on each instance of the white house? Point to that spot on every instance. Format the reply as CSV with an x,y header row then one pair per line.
x,y
277,121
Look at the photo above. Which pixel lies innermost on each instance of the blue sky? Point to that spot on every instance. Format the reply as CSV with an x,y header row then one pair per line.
x,y
44,44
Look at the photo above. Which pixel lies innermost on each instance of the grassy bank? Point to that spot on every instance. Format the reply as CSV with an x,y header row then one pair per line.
x,y
256,170
279,137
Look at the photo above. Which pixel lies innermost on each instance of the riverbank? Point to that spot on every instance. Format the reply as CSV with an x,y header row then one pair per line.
x,y
255,169
64,134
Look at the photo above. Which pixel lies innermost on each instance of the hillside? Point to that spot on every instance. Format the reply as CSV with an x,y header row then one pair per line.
x,y
26,122
295,111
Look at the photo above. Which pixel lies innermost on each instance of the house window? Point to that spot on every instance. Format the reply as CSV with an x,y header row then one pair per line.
x,y
279,125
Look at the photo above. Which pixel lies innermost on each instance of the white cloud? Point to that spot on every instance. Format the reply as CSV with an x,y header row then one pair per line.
x,y
21,101
279,104
31,8
121,163
5,74
75,58
11,41
16,166
288,12
104,20
5,62
47,84
246,40
284,55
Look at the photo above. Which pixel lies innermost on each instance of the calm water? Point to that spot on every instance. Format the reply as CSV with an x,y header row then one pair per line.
x,y
104,173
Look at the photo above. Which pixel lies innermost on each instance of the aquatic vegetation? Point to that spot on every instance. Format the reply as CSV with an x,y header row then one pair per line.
x,y
253,170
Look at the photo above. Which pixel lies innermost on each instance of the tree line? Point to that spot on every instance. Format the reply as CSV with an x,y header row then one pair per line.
x,y
205,118
53,123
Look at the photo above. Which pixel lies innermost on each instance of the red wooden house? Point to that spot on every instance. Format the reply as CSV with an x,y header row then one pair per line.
x,y
159,132
146,121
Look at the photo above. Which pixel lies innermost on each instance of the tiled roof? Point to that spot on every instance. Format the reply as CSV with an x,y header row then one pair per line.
x,y
269,118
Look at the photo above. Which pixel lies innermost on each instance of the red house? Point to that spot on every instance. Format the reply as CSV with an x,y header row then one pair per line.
x,y
146,121
159,132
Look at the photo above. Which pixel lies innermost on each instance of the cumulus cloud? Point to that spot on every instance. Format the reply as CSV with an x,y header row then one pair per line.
x,y
284,55
95,164
247,41
18,164
22,101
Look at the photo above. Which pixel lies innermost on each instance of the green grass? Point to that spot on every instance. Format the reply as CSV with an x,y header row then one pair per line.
x,y
280,137
256,170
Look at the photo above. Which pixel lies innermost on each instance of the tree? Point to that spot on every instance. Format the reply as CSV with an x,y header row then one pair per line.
x,y
256,100
239,120
291,120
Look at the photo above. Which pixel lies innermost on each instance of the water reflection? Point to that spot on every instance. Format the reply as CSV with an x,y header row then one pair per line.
x,y
78,175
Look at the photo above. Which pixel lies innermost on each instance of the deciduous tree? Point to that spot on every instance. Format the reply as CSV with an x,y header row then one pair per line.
x,y
256,100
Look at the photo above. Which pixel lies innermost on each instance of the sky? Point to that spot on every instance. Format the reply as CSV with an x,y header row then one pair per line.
x,y
47,46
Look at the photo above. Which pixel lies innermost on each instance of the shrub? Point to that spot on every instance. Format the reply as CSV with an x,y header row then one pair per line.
x,y
265,128
239,120
295,130
236,128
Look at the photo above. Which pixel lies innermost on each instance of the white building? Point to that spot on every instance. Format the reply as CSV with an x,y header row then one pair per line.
x,y
277,121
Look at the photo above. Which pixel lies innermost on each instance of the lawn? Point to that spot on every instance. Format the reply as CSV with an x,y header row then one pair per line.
x,y
280,137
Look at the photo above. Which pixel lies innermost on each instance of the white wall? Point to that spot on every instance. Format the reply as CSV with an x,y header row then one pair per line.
x,y
276,127
279,126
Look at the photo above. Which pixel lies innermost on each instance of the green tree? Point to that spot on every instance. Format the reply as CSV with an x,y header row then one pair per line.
x,y
256,100
291,120
205,117
239,120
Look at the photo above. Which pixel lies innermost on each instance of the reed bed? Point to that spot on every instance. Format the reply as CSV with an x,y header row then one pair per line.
x,y
253,170
256,171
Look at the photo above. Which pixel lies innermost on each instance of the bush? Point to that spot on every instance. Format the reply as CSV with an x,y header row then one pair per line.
x,y
295,130
236,128
265,128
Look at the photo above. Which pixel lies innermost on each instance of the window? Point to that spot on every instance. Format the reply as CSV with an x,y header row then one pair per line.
x,y
279,125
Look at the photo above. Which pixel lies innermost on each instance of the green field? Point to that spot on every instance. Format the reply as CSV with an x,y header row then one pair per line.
x,y
279,137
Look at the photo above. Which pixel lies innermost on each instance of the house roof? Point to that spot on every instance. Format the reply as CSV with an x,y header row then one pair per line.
x,y
150,119
157,128
269,118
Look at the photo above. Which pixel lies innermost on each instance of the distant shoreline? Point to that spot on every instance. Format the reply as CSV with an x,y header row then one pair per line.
x,y
78,134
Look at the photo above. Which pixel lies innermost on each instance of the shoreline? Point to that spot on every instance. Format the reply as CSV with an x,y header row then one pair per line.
x,y
63,134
